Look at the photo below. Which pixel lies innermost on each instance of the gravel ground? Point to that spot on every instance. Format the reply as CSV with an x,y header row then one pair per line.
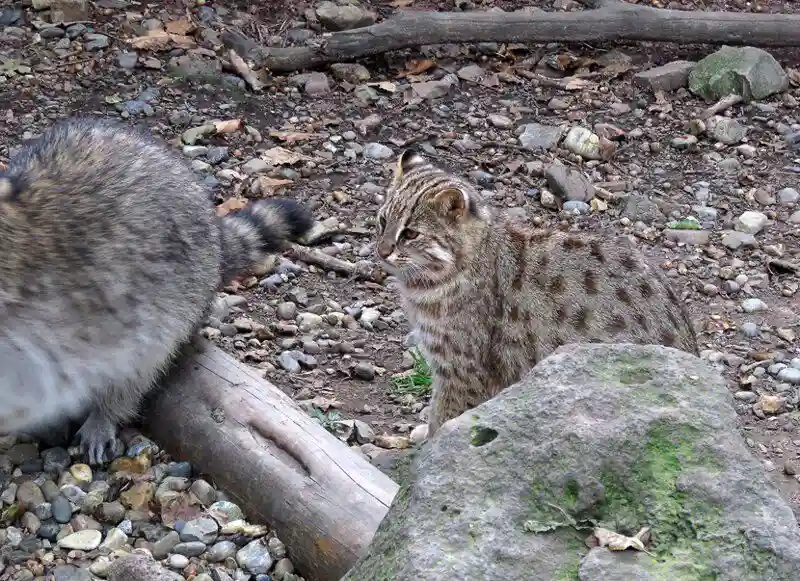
x,y
333,341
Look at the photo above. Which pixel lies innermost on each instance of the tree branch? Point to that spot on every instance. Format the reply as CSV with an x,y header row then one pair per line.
x,y
611,20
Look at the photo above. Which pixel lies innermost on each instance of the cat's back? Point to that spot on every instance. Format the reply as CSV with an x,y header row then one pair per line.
x,y
593,287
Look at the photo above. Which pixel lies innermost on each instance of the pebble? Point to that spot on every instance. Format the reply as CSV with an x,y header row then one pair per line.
x,y
203,529
537,137
178,561
501,121
749,329
751,222
87,540
364,370
788,196
789,375
255,557
377,151
753,305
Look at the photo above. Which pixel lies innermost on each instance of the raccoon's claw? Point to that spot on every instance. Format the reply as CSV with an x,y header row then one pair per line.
x,y
99,440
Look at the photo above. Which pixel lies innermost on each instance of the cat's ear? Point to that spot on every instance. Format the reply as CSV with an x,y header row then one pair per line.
x,y
407,161
451,202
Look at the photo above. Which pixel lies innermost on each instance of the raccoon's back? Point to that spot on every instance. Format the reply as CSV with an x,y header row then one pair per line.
x,y
105,209
110,258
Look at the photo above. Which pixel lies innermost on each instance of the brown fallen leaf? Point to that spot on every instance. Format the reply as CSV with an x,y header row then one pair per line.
x,y
617,542
228,126
160,40
231,205
267,186
416,67
292,136
282,156
181,26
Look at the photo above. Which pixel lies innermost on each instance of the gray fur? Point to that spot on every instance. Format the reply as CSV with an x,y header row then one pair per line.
x,y
111,257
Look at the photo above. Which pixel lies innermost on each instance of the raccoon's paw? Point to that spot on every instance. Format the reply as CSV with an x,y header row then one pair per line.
x,y
99,441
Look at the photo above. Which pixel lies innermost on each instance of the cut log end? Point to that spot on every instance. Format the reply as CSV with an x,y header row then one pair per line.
x,y
278,463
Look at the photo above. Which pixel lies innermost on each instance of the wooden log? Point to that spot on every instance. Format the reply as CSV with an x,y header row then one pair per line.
x,y
278,463
610,20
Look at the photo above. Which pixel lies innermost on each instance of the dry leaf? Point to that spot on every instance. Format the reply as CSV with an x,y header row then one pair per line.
x,y
577,84
228,126
387,86
598,205
617,542
401,3
269,186
292,136
231,205
282,156
154,40
161,40
181,27
416,67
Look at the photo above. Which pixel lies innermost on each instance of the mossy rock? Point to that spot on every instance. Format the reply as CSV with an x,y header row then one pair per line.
x,y
749,72
617,436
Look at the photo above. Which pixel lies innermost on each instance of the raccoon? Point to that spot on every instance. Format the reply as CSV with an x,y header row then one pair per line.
x,y
112,254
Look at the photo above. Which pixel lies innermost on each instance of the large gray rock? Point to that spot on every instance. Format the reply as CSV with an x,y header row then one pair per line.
x,y
750,72
618,436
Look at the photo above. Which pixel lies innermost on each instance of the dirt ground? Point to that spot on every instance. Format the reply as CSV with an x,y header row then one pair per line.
x,y
358,341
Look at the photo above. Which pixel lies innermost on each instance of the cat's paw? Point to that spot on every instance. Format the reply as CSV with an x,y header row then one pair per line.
x,y
98,437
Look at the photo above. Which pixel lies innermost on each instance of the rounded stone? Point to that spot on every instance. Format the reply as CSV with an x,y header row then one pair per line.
x,y
86,540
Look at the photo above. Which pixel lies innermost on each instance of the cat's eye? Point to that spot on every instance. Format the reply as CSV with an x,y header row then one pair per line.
x,y
410,234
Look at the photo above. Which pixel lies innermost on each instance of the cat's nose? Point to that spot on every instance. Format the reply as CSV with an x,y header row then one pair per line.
x,y
385,249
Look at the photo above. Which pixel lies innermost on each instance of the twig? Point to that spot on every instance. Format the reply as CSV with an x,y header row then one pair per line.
x,y
364,270
244,71
720,106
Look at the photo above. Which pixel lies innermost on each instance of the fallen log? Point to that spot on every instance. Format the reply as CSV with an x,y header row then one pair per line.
x,y
279,464
609,20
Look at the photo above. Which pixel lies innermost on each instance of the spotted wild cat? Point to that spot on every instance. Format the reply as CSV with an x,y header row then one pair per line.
x,y
489,298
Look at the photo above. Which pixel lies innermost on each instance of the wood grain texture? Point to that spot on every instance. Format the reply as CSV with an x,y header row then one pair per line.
x,y
279,464
610,20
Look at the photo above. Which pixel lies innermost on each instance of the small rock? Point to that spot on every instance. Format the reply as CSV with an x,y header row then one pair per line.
x,y
772,404
569,183
749,330
501,121
536,137
789,375
665,78
735,240
86,540
95,42
115,539
751,222
221,551
753,305
364,370
684,142
254,557
726,130
377,151
203,529
127,60
317,85
788,197
30,495
204,492
353,73
164,546
178,561
345,17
